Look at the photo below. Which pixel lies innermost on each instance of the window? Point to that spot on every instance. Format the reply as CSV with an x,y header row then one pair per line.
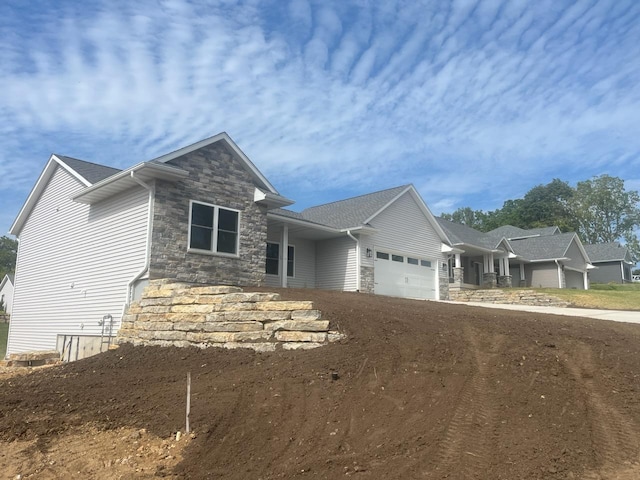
x,y
213,229
382,255
273,259
412,261
397,258
425,263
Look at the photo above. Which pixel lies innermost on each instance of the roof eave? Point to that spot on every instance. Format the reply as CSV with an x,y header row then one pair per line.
x,y
123,180
270,200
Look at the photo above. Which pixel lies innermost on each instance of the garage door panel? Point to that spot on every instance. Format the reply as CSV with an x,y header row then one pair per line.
x,y
411,277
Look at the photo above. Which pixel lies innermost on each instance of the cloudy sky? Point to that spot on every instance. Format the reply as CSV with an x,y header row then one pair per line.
x,y
474,102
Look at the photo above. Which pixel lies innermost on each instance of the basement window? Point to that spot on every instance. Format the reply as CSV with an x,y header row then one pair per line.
x,y
213,229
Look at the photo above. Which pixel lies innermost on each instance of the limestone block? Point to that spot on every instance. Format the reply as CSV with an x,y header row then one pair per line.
x,y
184,299
172,335
150,317
336,336
301,345
129,318
300,325
185,317
134,309
207,299
155,326
284,336
188,326
146,302
306,315
253,316
158,292
155,309
250,297
284,305
232,326
192,308
233,307
214,290
223,337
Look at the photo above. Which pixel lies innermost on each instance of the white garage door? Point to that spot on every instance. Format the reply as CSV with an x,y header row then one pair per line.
x,y
404,276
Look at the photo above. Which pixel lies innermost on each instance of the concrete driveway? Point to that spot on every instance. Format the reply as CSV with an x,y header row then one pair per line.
x,y
613,315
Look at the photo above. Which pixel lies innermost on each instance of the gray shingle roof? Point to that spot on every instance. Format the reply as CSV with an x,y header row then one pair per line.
x,y
92,172
607,252
509,231
352,212
462,234
544,247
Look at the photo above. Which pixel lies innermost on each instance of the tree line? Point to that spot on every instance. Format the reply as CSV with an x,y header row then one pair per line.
x,y
599,210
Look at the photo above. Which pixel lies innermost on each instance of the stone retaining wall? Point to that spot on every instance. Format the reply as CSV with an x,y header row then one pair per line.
x,y
516,297
178,314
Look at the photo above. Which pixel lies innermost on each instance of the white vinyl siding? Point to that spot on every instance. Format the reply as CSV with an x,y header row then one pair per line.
x,y
336,264
304,262
403,228
74,263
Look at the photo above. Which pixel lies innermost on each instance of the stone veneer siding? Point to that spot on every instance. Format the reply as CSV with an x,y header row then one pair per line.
x,y
182,315
216,177
367,280
443,280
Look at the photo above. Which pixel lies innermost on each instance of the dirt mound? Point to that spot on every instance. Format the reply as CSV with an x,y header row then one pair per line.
x,y
423,390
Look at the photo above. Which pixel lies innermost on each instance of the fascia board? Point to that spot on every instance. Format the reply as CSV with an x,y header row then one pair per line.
x,y
549,260
365,230
304,223
216,138
38,188
423,206
160,170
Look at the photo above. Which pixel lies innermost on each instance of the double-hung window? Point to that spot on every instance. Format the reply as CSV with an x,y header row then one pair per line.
x,y
273,259
213,229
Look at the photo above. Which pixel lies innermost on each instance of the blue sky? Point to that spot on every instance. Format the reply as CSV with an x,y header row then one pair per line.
x,y
474,102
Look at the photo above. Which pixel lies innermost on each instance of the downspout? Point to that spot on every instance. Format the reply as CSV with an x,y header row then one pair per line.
x,y
357,259
559,273
147,259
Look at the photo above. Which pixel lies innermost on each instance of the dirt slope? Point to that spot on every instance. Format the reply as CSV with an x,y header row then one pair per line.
x,y
424,390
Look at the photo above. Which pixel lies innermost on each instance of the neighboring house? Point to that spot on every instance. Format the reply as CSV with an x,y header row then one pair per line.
x,y
6,292
614,263
511,256
91,237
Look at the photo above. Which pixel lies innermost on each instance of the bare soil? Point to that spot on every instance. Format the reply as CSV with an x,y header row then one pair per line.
x,y
423,390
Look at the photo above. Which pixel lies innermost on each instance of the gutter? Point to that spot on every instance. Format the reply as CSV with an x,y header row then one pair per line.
x,y
357,259
559,274
147,255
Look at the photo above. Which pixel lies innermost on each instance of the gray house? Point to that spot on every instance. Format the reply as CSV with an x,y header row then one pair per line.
x,y
511,256
91,237
613,260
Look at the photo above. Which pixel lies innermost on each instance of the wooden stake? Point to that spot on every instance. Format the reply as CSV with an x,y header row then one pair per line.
x,y
188,401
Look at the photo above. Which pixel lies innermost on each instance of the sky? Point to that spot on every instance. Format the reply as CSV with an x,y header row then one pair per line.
x,y
473,102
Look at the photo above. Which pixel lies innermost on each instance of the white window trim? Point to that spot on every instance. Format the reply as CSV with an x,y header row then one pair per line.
x,y
274,275
214,236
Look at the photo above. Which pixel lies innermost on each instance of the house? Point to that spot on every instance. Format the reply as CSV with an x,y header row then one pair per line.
x,y
511,256
91,237
6,292
613,260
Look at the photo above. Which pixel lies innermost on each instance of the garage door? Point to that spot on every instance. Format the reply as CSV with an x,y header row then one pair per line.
x,y
404,276
573,279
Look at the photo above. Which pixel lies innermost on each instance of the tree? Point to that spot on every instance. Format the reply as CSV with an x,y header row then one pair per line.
x,y
466,216
546,205
8,253
606,212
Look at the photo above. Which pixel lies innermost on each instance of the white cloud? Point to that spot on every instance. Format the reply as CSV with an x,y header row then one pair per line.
x,y
483,98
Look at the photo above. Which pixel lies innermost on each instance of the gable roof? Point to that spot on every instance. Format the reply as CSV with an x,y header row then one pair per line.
x,y
608,252
258,177
510,232
92,172
549,247
464,235
352,212
7,278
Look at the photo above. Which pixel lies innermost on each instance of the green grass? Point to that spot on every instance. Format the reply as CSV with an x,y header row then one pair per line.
x,y
606,296
4,330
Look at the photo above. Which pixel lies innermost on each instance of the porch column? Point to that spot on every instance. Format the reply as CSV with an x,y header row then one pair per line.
x,y
489,279
501,267
458,261
523,278
285,255
585,278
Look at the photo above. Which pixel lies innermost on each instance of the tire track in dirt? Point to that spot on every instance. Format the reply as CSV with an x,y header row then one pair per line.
x,y
470,437
614,436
